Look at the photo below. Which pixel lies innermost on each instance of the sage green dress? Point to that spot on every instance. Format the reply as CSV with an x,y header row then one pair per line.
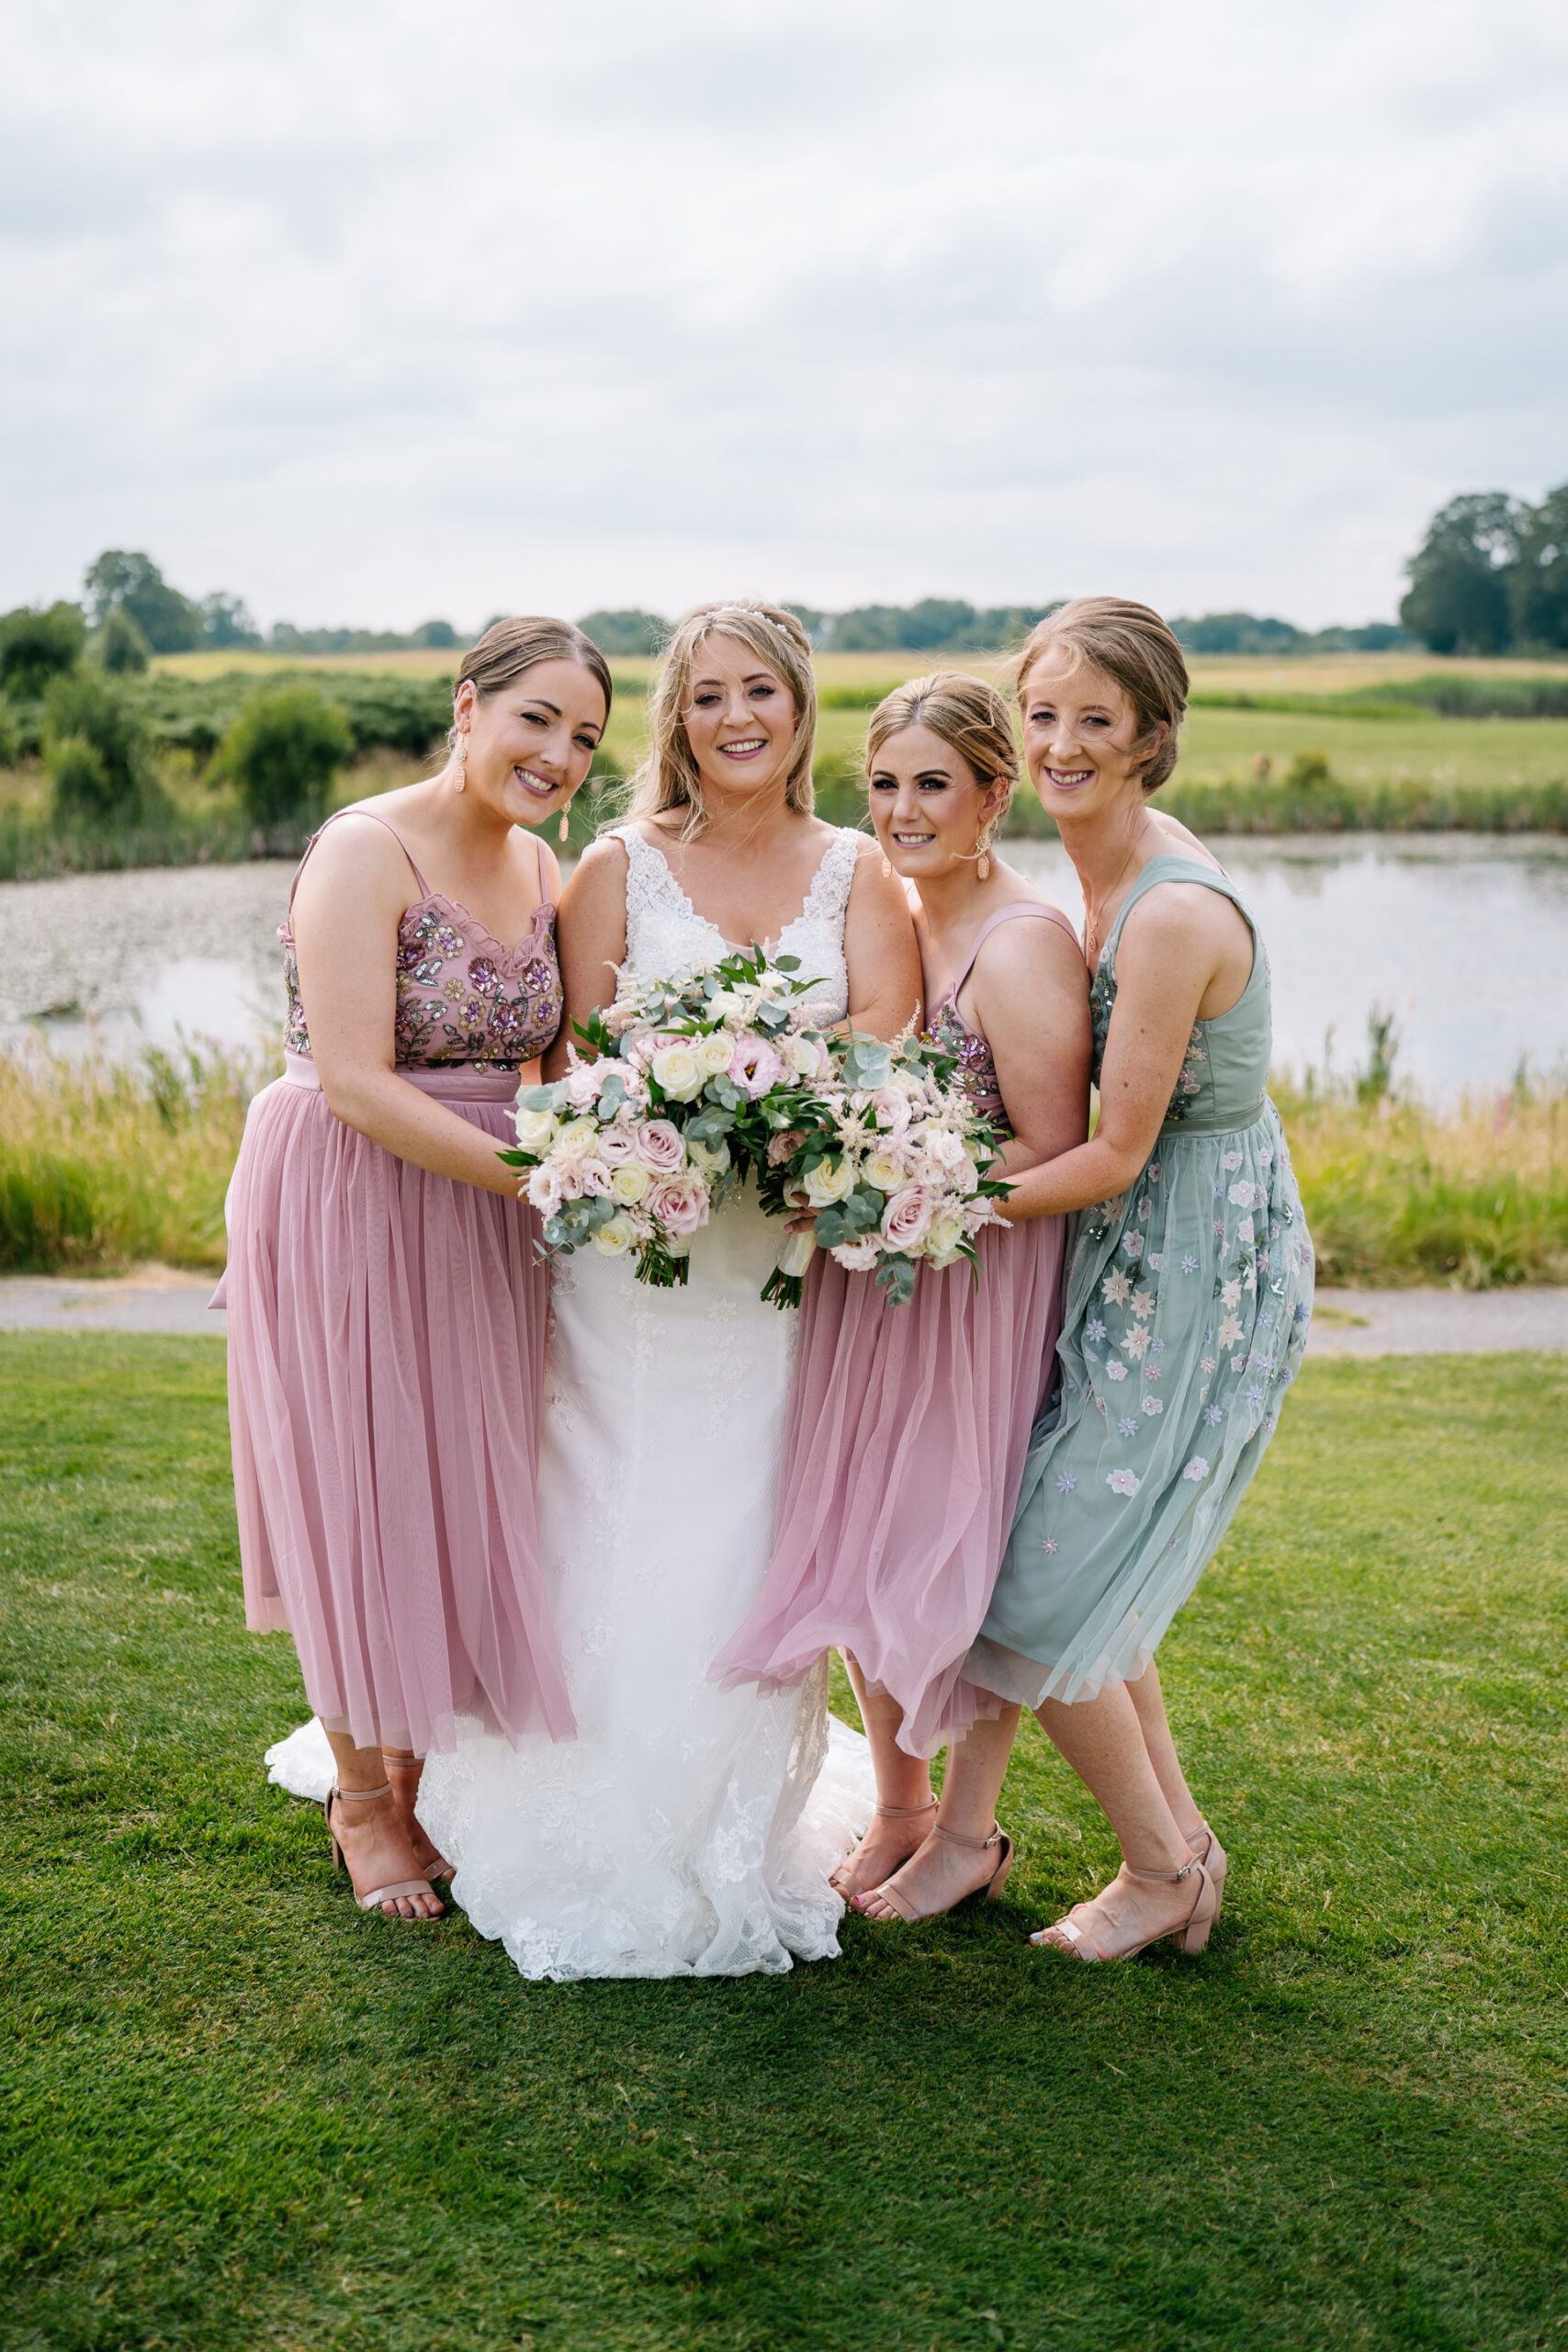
x,y
1186,1320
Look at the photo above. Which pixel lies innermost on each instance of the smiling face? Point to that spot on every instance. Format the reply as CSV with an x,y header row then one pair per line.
x,y
1081,743
740,717
531,744
927,803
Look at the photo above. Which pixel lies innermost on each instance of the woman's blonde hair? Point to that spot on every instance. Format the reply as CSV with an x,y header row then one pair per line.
x,y
508,648
667,778
971,718
1134,646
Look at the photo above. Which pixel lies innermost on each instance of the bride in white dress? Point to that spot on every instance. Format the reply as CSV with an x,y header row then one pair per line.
x,y
687,1830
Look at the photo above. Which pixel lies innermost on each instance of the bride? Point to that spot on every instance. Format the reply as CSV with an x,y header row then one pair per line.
x,y
687,1830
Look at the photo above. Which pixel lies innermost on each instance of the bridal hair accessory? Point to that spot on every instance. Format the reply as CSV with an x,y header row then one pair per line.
x,y
722,613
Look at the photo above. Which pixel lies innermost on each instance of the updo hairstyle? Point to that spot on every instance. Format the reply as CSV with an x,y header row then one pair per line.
x,y
508,648
667,778
1130,643
971,718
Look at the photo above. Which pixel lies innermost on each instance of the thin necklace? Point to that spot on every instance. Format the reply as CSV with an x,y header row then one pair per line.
x,y
1091,930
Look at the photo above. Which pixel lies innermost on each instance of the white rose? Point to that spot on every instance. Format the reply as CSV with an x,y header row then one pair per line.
x,y
614,1237
536,1130
579,1135
804,1054
721,1008
882,1170
713,1053
828,1181
705,1159
946,1233
945,1148
628,1182
680,1072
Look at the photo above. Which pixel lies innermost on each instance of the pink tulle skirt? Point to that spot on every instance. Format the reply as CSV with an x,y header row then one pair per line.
x,y
385,1340
903,1449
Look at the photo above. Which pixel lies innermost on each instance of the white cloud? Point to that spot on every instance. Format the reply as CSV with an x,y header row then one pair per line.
x,y
378,314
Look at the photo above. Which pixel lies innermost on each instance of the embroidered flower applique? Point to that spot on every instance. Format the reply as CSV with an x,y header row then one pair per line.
x,y
1065,1482
1123,1482
1197,1469
1114,1370
1126,1425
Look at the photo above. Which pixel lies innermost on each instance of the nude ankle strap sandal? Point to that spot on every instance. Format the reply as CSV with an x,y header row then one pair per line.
x,y
440,1868
887,1812
1207,1850
382,1894
987,1892
1190,1936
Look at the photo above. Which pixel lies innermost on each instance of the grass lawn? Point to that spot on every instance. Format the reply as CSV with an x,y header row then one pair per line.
x,y
236,2114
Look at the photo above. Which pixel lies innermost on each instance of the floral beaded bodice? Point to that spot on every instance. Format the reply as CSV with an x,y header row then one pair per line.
x,y
977,1072
462,997
1224,1077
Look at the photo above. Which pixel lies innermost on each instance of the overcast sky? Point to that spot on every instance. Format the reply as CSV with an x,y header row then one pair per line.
x,y
378,312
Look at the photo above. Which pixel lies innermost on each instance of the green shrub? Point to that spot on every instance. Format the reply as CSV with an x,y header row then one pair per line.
x,y
1308,772
96,750
36,646
282,752
121,646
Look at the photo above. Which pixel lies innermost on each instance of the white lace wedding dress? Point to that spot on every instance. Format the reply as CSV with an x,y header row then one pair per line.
x,y
687,1831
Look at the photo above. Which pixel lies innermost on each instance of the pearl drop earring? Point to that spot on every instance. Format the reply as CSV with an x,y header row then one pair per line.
x,y
462,761
565,820
887,868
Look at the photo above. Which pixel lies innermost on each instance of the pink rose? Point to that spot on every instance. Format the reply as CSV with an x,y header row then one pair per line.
x,y
891,1107
906,1218
755,1067
680,1204
657,1144
782,1145
617,1146
545,1190
593,1178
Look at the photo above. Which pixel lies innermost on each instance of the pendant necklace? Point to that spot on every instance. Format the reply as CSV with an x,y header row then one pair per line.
x,y
1091,930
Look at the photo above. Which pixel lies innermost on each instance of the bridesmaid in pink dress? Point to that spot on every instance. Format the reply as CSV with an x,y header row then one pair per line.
x,y
385,1300
908,1426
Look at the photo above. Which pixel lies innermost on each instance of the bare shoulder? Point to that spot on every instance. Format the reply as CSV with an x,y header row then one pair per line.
x,y
601,867
869,885
357,851
1023,955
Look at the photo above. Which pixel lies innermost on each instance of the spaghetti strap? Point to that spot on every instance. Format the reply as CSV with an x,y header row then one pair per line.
x,y
423,885
1014,907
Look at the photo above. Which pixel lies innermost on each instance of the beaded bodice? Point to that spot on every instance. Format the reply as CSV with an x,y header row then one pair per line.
x,y
665,934
1223,1078
462,997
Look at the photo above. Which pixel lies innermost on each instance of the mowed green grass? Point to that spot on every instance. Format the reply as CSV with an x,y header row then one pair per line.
x,y
236,2114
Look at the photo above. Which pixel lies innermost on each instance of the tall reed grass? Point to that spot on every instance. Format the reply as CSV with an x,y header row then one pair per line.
x,y
106,1163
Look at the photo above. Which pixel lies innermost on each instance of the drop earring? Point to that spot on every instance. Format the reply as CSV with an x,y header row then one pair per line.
x,y
565,820
983,844
462,763
887,868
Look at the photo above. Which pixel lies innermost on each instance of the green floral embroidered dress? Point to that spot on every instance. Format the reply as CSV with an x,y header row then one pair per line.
x,y
1185,1321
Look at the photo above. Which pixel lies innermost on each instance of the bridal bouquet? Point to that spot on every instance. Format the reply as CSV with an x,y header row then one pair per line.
x,y
894,1158
696,1079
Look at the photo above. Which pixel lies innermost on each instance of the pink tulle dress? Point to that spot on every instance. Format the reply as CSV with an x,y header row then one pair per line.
x,y
907,1430
386,1335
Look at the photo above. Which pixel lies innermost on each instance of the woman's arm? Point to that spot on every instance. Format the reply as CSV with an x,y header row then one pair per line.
x,y
881,952
592,941
350,900
1029,997
1167,955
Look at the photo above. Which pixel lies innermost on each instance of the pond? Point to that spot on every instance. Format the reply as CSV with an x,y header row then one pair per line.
x,y
1462,937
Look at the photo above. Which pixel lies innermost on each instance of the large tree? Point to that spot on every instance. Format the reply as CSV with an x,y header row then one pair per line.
x,y
1538,585
1458,600
123,581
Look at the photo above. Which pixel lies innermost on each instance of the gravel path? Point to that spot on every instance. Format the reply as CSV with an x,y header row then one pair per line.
x,y
1348,1322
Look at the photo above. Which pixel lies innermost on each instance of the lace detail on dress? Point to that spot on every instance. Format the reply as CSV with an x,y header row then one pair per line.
x,y
665,934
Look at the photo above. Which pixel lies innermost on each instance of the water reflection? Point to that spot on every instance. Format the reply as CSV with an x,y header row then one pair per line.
x,y
1463,938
